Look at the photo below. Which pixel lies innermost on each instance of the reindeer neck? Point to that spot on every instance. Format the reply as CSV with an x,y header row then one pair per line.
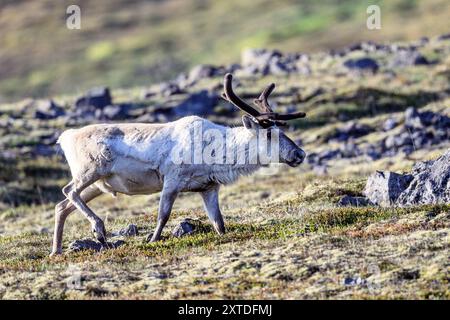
x,y
241,139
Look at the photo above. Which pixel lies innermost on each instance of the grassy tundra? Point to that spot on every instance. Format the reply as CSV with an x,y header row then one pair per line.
x,y
287,236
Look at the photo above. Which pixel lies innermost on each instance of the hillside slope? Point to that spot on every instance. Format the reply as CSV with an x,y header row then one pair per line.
x,y
128,43
370,106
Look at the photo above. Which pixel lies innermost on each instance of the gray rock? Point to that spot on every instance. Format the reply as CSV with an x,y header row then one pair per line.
x,y
406,58
353,281
390,124
149,118
247,71
349,149
276,67
397,141
89,244
303,69
371,46
353,201
44,230
115,112
257,56
186,227
43,150
264,195
324,156
201,103
430,183
413,119
362,64
129,231
424,41
352,129
48,109
200,72
419,120
383,188
167,89
373,152
355,47
259,59
98,97
444,37
408,274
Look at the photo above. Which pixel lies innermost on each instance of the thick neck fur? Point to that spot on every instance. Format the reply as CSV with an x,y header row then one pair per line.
x,y
241,138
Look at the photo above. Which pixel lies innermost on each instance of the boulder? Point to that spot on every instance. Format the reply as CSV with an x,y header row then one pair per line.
x,y
390,124
353,201
371,46
323,157
397,141
259,59
276,67
89,244
115,112
257,56
129,231
373,152
98,98
406,58
186,227
201,72
362,64
419,120
303,68
201,104
349,149
48,109
164,89
43,150
350,130
430,183
383,188
444,37
413,118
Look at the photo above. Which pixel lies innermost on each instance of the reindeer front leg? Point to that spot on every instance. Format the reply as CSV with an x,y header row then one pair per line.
x,y
168,196
211,202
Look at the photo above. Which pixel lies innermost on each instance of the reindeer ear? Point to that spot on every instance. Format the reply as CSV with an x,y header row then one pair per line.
x,y
249,123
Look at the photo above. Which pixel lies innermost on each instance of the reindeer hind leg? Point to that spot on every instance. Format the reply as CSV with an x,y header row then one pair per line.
x,y
62,211
73,192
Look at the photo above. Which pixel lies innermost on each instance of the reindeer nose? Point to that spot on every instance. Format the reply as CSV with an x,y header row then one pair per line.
x,y
300,154
297,155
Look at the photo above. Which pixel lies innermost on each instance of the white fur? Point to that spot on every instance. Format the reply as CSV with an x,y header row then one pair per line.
x,y
149,149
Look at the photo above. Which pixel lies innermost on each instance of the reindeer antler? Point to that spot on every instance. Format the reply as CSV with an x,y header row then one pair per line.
x,y
230,96
267,118
262,102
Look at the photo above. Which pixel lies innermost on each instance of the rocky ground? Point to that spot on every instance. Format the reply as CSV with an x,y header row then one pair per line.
x,y
308,232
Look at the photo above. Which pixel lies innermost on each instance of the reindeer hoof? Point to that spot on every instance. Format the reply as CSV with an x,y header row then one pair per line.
x,y
220,229
100,232
151,238
55,253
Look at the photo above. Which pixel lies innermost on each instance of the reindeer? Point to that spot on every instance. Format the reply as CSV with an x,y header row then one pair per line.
x,y
138,158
